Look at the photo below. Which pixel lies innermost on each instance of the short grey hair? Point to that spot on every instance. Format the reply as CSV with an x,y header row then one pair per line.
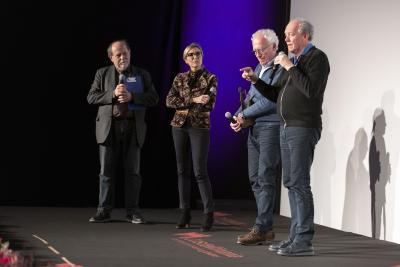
x,y
268,34
123,41
305,27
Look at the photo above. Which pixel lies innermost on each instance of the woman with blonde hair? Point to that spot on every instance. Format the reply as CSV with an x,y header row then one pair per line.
x,y
193,95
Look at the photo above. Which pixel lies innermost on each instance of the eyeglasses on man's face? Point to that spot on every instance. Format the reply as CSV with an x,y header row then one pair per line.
x,y
261,50
192,54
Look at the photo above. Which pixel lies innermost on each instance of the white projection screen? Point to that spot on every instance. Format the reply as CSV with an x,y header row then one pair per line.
x,y
355,177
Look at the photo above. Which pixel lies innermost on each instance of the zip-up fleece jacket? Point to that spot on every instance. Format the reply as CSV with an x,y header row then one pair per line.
x,y
299,92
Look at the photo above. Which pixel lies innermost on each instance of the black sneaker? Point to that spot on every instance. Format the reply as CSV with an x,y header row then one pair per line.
x,y
100,217
297,249
282,244
135,218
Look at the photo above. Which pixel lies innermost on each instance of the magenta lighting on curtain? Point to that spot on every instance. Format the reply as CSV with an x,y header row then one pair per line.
x,y
224,28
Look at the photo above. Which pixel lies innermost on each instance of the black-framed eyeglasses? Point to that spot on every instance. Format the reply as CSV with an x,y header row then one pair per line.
x,y
192,54
261,50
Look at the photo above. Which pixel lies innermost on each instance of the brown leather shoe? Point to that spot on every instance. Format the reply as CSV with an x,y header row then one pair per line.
x,y
255,238
270,235
241,236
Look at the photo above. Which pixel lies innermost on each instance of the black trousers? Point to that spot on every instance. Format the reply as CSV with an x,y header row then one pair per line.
x,y
191,146
120,149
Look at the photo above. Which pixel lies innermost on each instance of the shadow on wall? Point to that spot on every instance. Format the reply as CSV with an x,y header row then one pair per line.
x,y
357,198
379,173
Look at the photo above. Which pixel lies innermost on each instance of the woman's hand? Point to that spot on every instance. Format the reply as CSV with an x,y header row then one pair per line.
x,y
203,99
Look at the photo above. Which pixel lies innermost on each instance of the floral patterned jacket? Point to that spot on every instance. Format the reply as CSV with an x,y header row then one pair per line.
x,y
180,95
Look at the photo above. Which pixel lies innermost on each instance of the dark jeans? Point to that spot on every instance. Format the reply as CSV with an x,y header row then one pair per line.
x,y
121,146
263,161
191,144
297,150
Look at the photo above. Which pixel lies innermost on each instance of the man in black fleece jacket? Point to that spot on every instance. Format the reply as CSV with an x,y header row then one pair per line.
x,y
299,96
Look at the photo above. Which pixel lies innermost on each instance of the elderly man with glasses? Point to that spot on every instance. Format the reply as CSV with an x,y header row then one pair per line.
x,y
259,115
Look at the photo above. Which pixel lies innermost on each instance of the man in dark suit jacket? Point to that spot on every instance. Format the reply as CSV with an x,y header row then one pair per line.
x,y
122,92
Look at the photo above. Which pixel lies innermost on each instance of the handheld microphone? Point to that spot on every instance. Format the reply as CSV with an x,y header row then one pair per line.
x,y
213,91
121,78
229,116
277,65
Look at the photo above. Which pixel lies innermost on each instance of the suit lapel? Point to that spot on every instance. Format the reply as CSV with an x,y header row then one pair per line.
x,y
111,78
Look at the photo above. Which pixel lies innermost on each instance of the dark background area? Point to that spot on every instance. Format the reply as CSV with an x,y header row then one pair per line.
x,y
52,51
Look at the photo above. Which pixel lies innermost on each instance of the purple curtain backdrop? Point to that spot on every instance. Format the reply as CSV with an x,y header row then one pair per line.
x,y
224,29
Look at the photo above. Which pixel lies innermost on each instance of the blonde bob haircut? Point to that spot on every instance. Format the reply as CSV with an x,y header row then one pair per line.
x,y
190,47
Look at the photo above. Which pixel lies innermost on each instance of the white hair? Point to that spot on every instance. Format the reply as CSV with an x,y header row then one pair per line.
x,y
268,34
305,27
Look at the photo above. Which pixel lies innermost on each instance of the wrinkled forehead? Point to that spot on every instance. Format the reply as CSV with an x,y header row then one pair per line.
x,y
259,40
119,48
292,27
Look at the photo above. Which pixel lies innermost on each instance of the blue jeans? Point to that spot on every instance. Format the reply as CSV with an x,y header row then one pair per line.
x,y
263,161
297,151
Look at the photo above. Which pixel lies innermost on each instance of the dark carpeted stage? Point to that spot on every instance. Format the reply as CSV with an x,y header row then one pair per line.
x,y
63,236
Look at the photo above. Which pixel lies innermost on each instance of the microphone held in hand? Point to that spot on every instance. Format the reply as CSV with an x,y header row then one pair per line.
x,y
229,116
277,65
121,78
213,91
210,93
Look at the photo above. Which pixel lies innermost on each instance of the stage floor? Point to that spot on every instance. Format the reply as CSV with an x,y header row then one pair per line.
x,y
56,235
